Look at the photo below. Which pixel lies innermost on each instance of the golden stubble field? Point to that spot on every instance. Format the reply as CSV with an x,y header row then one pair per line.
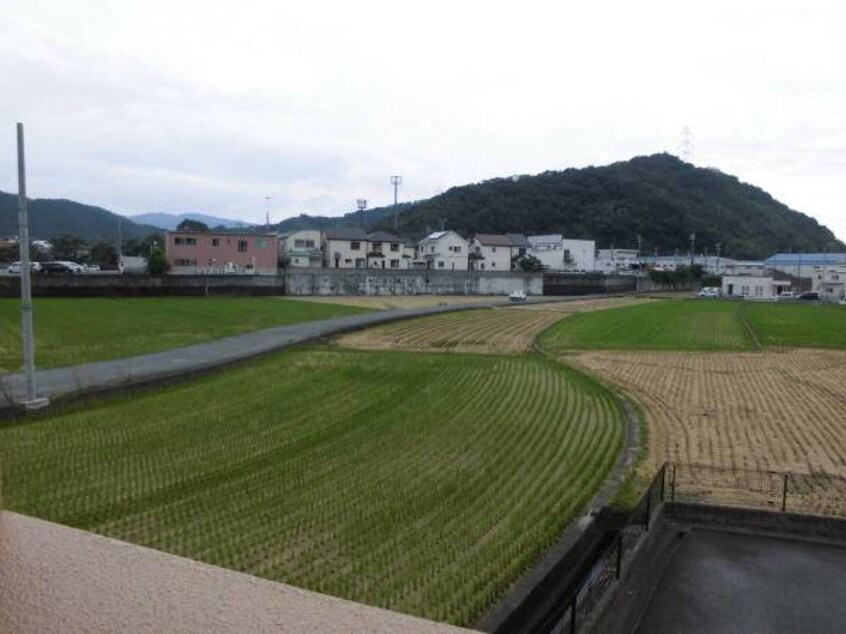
x,y
782,411
508,329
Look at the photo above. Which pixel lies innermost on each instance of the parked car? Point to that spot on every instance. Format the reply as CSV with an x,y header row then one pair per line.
x,y
517,296
15,268
809,296
57,268
842,301
73,266
709,292
92,268
786,296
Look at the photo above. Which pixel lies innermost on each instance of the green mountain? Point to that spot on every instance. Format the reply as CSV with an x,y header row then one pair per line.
x,y
51,218
658,197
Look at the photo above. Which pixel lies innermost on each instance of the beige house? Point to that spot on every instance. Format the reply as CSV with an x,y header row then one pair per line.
x,y
345,248
443,251
755,287
490,252
303,249
386,251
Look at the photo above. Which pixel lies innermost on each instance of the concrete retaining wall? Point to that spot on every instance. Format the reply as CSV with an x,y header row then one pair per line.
x,y
404,282
110,285
588,283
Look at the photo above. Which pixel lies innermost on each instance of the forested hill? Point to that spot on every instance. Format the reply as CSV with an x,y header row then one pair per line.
x,y
659,197
51,218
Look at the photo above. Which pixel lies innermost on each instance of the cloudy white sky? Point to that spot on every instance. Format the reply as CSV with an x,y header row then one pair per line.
x,y
211,106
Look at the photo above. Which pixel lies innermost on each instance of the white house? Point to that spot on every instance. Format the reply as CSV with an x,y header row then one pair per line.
x,y
520,247
302,248
490,252
443,250
761,287
558,253
830,282
345,248
386,251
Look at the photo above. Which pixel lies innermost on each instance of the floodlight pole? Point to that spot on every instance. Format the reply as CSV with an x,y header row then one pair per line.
x,y
31,401
361,203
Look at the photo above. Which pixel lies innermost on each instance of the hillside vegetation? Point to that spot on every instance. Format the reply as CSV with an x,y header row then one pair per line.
x,y
659,197
49,218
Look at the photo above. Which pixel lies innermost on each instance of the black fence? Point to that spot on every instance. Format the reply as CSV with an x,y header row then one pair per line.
x,y
809,494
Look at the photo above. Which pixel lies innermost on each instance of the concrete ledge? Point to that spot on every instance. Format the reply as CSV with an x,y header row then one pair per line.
x,y
60,579
807,527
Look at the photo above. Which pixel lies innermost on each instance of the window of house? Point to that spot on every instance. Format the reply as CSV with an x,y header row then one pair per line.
x,y
242,246
188,242
215,242
299,244
493,249
261,243
394,246
377,246
185,262
493,265
355,245
440,265
394,264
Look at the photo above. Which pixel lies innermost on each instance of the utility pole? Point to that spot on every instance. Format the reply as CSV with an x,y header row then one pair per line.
x,y
361,203
719,247
31,401
267,214
396,181
692,246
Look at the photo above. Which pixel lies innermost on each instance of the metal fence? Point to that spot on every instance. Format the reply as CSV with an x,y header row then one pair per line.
x,y
810,494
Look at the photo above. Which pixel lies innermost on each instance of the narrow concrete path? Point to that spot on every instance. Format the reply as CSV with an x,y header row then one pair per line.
x,y
104,376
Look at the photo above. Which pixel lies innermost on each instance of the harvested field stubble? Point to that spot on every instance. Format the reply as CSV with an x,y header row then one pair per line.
x,y
497,330
771,410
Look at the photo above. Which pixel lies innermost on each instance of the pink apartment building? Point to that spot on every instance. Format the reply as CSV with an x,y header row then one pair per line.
x,y
197,252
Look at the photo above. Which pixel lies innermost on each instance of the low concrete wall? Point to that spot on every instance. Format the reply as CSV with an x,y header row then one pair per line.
x,y
59,579
588,283
110,285
409,282
759,521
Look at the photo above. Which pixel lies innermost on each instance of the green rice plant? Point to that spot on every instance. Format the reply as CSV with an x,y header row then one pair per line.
x,y
69,331
425,483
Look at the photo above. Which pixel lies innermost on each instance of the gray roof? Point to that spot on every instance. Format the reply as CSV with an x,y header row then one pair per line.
x,y
384,236
519,240
493,239
345,233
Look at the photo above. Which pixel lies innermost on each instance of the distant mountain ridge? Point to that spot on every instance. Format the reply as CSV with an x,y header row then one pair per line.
x,y
49,218
169,222
659,198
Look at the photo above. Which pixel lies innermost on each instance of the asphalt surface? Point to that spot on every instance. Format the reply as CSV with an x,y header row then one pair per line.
x,y
148,368
727,583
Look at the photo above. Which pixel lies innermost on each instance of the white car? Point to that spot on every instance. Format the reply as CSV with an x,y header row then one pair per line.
x,y
92,268
73,266
709,292
15,268
842,301
517,296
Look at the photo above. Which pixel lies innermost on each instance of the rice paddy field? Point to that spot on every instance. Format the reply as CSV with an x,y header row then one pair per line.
x,y
69,331
724,384
495,330
702,325
424,483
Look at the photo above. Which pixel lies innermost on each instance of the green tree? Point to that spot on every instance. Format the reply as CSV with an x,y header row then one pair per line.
x,y
68,247
157,263
529,263
192,225
103,253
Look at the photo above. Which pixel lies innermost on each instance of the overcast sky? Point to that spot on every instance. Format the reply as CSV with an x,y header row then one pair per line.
x,y
201,106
